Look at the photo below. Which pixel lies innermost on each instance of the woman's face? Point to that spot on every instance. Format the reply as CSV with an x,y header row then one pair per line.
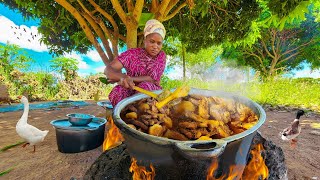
x,y
153,44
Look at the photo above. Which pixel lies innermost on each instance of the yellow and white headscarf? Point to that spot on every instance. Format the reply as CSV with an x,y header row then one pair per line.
x,y
154,26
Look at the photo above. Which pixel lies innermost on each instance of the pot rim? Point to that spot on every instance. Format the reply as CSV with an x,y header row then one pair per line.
x,y
166,141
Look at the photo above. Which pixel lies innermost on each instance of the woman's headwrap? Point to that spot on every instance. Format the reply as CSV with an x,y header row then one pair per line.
x,y
154,26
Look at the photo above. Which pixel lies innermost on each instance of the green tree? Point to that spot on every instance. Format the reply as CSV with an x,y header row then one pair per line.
x,y
66,66
12,57
279,51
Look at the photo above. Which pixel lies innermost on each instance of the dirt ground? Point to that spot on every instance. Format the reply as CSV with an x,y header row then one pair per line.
x,y
48,163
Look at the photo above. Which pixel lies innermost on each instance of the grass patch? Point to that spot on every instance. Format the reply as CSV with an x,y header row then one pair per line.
x,y
6,171
301,92
11,146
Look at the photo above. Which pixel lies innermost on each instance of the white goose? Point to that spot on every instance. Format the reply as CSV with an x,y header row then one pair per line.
x,y
30,134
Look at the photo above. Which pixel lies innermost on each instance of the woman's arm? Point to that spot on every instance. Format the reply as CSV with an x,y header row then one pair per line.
x,y
113,71
139,79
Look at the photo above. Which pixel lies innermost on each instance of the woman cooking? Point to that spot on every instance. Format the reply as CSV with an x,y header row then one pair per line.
x,y
144,66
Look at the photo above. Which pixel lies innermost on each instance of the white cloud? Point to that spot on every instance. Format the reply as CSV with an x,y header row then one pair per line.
x,y
82,64
25,37
307,73
100,69
94,55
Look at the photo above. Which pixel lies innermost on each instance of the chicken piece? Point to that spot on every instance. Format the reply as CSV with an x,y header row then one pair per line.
x,y
188,125
187,133
215,111
198,118
132,108
203,108
196,96
194,101
171,134
140,125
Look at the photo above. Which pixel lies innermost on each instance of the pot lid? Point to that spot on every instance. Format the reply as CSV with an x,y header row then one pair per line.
x,y
65,124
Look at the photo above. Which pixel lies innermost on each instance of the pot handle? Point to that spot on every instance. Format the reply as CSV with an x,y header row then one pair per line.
x,y
201,149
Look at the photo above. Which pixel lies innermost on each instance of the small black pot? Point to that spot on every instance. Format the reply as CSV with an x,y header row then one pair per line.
x,y
232,150
74,139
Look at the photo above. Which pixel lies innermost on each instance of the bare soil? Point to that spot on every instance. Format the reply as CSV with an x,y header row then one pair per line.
x,y
47,162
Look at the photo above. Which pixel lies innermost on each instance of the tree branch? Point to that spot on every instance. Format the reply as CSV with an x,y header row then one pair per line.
x,y
260,60
292,55
130,5
175,12
101,33
119,10
170,6
138,10
154,6
304,44
266,49
84,27
162,9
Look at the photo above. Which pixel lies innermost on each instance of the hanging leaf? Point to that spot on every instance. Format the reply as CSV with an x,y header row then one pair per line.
x,y
144,18
104,80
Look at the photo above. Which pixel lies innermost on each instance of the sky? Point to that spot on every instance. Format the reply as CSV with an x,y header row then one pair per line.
x,y
16,30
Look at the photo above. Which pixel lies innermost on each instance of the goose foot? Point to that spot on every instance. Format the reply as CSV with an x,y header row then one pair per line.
x,y
293,143
34,149
25,144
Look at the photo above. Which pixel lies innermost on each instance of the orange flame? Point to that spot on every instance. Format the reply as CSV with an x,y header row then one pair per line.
x,y
140,172
255,169
234,172
114,137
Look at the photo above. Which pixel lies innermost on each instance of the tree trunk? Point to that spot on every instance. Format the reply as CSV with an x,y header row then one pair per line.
x,y
132,33
184,61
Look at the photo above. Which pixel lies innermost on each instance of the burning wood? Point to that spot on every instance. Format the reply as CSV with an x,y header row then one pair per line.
x,y
140,172
113,138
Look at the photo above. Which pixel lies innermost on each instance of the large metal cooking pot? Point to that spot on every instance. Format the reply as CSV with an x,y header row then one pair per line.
x,y
74,139
232,150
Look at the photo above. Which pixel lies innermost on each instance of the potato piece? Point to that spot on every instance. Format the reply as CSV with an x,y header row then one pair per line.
x,y
144,107
204,138
184,106
156,130
167,122
132,115
248,125
203,124
132,126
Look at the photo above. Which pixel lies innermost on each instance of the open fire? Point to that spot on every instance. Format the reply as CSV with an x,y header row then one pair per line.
x,y
114,137
140,172
255,169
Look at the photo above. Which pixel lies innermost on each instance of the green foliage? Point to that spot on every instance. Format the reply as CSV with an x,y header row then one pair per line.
x,y
65,66
13,57
280,51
